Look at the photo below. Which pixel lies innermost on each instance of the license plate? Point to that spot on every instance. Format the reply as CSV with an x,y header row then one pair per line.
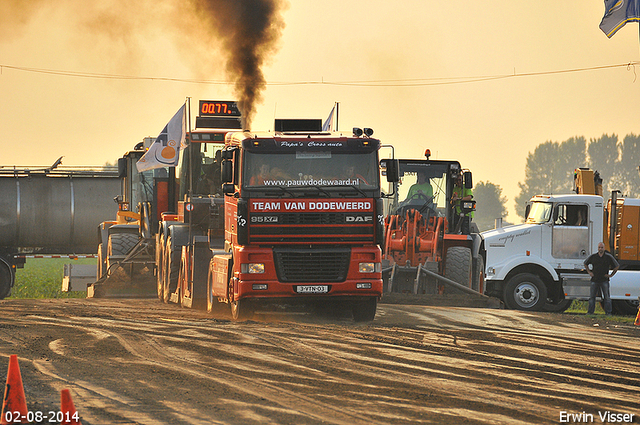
x,y
312,289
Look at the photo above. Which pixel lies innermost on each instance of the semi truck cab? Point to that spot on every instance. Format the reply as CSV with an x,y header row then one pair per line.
x,y
540,264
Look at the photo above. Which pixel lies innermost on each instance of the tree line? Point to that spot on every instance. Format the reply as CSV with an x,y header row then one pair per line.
x,y
550,169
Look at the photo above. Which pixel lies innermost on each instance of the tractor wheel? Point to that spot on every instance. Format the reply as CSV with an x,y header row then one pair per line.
x,y
364,311
525,291
119,245
458,267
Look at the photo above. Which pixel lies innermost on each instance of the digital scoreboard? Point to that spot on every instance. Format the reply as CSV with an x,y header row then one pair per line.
x,y
219,108
219,114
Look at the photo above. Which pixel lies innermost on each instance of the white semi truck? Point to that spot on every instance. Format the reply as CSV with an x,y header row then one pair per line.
x,y
538,265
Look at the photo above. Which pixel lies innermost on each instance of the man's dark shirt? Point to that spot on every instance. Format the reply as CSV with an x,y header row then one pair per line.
x,y
601,266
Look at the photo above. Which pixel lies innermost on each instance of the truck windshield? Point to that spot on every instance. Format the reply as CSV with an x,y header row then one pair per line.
x,y
540,212
311,168
200,162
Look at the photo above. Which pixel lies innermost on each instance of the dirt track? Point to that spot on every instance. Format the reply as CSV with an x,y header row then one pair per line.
x,y
142,362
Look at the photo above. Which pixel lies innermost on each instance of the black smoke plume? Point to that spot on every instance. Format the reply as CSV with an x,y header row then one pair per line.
x,y
249,31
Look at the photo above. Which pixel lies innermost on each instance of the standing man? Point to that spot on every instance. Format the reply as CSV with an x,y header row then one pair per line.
x,y
601,262
461,224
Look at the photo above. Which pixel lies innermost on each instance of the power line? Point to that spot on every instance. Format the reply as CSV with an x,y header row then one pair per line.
x,y
412,82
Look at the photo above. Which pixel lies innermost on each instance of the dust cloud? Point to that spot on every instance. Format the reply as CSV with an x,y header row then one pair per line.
x,y
241,34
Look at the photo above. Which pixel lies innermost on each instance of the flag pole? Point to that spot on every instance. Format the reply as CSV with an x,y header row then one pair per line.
x,y
337,114
188,143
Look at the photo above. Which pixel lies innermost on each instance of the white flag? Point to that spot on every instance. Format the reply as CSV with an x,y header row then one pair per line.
x,y
328,123
165,151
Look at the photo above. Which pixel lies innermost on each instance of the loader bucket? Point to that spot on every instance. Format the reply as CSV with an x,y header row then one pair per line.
x,y
422,285
126,281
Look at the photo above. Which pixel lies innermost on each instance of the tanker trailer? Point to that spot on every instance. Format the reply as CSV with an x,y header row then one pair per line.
x,y
53,210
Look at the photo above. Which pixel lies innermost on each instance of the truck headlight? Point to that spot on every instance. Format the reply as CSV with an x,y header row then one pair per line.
x,y
252,268
369,267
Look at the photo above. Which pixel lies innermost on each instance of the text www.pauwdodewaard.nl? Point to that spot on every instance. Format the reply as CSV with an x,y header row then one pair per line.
x,y
313,182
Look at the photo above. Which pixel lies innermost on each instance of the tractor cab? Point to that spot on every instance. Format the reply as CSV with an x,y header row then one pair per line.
x,y
427,228
426,187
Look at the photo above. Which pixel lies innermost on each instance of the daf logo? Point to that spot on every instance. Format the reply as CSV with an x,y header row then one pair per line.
x,y
358,219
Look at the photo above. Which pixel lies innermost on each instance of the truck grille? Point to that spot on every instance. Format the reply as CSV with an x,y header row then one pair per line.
x,y
312,265
309,228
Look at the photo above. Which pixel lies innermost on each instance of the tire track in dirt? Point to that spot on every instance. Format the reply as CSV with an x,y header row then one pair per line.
x,y
411,365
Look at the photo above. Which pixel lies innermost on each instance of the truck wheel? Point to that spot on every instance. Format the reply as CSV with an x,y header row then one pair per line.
x,y
557,308
624,307
364,311
213,305
160,265
241,310
200,260
458,267
6,279
171,270
525,291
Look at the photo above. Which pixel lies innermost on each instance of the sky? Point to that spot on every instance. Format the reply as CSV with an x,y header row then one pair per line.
x,y
480,82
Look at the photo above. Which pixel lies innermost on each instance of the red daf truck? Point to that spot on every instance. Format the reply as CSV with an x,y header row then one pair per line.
x,y
303,220
297,220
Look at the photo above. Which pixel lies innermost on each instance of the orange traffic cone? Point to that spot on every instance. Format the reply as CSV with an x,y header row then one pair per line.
x,y
637,322
14,406
69,414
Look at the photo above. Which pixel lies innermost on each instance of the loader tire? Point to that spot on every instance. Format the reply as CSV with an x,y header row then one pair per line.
x,y
119,245
171,269
525,291
102,263
458,267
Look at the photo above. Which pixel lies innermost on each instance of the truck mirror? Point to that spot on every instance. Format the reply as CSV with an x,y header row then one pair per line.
x,y
122,168
393,167
227,171
468,180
